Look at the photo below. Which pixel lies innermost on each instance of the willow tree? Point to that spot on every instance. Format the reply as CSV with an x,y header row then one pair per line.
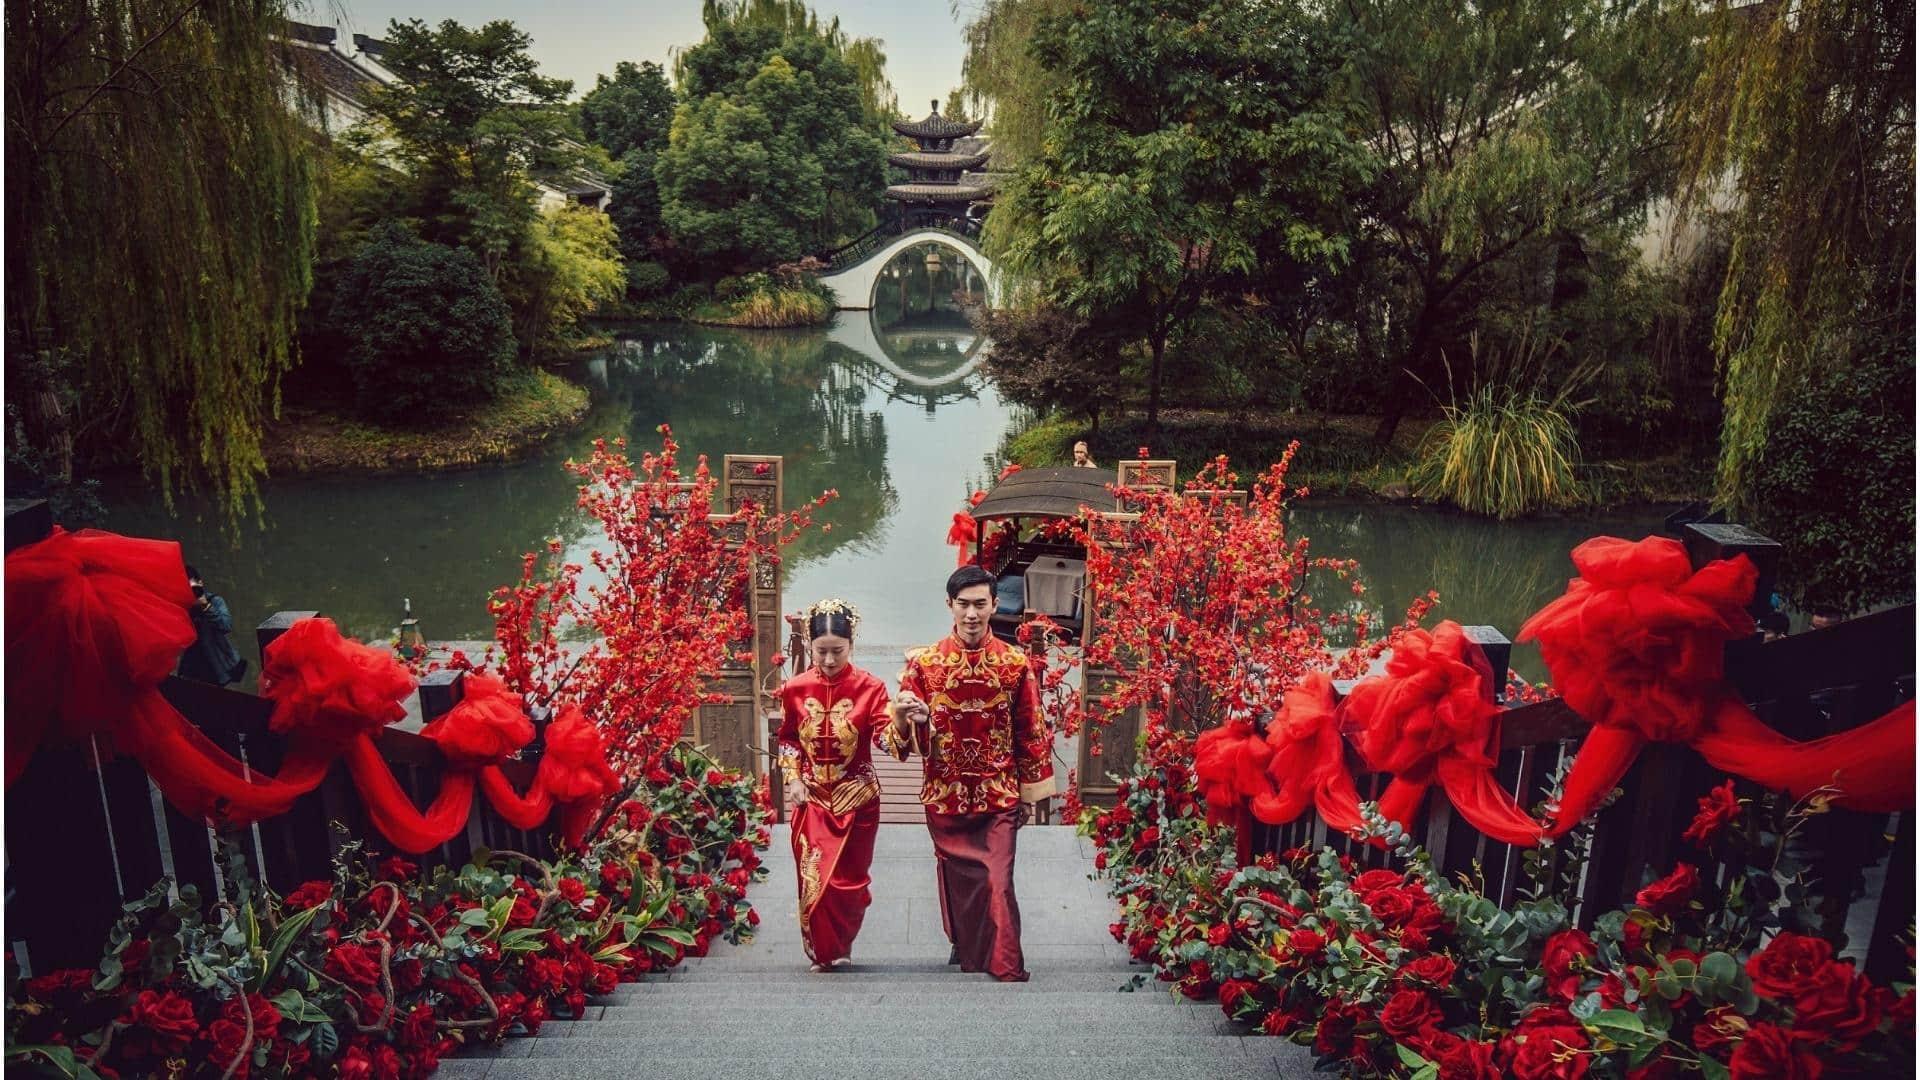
x,y
160,218
1801,143
1002,74
1801,146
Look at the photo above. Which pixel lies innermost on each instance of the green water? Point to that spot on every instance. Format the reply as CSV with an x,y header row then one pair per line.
x,y
887,407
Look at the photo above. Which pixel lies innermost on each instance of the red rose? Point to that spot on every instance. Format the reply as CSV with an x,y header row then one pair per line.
x,y
1148,837
1718,808
1787,964
1433,969
229,1042
1902,1013
1633,935
1306,944
1282,1021
572,891
312,894
1566,956
1374,881
1408,1015
1770,1053
266,1018
1837,1005
1200,971
1218,934
1546,1046
1333,1036
1720,1028
1392,907
161,1022
395,868
354,965
1231,993
1670,893
1463,1059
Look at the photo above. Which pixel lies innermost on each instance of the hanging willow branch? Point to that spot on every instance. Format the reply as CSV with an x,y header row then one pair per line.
x,y
161,231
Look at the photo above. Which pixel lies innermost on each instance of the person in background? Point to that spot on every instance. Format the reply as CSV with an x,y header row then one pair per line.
x,y
1082,456
1824,617
1773,625
211,658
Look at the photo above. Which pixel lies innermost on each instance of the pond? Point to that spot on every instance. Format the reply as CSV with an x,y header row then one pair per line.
x,y
889,407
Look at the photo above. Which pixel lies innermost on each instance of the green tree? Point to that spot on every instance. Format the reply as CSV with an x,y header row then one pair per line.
x,y
1498,128
474,122
572,266
631,110
1002,72
763,170
1800,136
159,235
428,330
1182,132
629,116
790,19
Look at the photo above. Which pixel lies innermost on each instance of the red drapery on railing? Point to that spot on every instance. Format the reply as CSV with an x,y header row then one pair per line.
x,y
96,622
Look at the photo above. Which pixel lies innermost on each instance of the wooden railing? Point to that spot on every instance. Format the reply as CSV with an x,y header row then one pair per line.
x,y
1807,685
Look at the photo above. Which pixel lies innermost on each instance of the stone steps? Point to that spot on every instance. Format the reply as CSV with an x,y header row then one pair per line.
x,y
753,1011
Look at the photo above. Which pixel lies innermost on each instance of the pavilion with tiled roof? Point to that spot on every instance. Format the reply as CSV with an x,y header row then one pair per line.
x,y
941,179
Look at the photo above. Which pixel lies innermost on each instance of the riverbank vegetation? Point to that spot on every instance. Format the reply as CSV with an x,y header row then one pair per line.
x,y
528,408
1365,220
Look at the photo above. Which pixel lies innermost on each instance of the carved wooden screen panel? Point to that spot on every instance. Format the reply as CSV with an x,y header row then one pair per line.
x,y
1119,738
732,730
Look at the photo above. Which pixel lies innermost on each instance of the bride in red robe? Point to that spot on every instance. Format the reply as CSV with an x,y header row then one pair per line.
x,y
830,715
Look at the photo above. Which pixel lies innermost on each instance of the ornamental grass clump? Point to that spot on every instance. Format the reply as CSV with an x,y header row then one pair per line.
x,y
1502,453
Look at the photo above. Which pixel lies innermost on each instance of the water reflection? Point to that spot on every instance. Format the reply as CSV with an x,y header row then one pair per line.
x,y
889,407
897,420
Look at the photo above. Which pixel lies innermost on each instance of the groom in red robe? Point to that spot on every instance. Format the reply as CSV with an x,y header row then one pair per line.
x,y
970,707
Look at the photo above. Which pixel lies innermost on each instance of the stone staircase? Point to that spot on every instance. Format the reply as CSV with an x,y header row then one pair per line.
x,y
754,1012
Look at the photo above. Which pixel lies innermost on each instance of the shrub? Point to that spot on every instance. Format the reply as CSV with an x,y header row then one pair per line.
x,y
1503,453
1834,483
427,331
646,280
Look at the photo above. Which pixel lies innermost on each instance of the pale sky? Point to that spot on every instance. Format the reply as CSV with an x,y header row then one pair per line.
x,y
579,39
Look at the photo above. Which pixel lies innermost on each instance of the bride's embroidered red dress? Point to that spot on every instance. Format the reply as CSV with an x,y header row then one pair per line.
x,y
826,738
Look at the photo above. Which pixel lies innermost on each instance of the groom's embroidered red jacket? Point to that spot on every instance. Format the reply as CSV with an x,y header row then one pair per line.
x,y
990,745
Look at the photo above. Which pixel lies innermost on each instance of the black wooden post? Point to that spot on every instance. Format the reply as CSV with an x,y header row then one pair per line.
x,y
28,521
440,691
1498,650
276,624
1706,542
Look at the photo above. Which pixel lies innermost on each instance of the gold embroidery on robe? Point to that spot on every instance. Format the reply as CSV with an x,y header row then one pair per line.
x,y
812,887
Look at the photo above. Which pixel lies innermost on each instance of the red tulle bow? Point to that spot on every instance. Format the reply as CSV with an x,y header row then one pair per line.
x,y
1430,718
1637,645
1308,765
1230,764
962,535
485,728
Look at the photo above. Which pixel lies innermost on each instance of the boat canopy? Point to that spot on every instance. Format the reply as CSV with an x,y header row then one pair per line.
x,y
1058,492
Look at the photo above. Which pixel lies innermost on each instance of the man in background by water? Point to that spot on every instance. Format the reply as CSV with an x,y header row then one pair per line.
x,y
1083,456
211,658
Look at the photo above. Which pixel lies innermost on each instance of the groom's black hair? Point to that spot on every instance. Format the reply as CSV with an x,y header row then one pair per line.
x,y
967,577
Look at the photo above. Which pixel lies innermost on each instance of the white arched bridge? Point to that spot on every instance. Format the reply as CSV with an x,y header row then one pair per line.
x,y
855,269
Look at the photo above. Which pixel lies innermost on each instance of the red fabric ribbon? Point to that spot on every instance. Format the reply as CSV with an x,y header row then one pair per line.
x,y
1430,718
962,535
96,622
1636,646
1230,763
1308,764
